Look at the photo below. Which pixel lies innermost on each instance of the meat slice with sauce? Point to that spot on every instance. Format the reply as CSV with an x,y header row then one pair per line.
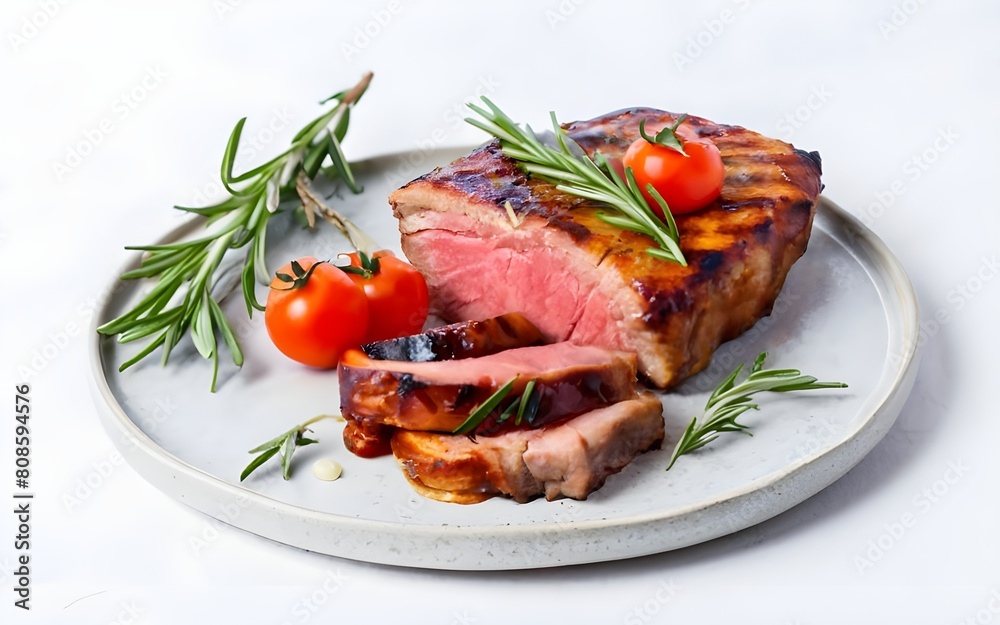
x,y
490,240
569,459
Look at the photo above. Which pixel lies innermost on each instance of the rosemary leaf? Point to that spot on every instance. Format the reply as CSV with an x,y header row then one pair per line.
x,y
286,443
730,400
483,410
184,270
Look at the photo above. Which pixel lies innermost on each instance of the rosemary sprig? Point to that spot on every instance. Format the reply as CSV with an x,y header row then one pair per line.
x,y
730,400
523,408
484,409
182,297
285,444
572,171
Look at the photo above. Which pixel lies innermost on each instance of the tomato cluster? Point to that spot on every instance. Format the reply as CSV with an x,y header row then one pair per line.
x,y
316,310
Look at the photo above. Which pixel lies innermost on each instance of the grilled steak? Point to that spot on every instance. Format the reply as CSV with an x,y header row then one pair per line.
x,y
440,395
580,279
571,459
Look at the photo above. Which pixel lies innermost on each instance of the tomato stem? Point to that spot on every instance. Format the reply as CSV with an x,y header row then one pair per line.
x,y
301,276
667,137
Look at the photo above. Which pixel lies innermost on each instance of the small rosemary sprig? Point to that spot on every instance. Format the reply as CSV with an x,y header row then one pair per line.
x,y
285,444
730,400
578,174
525,407
182,297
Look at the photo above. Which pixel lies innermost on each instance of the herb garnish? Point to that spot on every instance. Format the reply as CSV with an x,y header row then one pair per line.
x,y
187,267
730,400
524,407
578,174
285,444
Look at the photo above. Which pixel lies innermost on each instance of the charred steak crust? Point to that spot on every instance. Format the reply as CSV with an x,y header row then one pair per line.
x,y
466,339
739,249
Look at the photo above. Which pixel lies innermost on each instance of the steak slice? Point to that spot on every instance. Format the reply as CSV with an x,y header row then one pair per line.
x,y
570,459
467,339
439,395
580,279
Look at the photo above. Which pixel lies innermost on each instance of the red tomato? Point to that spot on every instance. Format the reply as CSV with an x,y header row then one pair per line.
x,y
397,296
686,183
315,316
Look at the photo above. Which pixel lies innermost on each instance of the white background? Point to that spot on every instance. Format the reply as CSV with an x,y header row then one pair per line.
x,y
901,99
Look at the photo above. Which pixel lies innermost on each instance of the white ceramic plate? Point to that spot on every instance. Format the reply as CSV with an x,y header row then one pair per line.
x,y
847,313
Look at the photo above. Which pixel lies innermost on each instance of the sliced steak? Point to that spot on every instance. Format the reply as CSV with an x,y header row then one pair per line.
x,y
580,279
467,339
439,395
570,459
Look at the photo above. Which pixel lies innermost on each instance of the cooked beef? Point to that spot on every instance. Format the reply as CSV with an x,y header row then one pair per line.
x,y
571,459
439,395
580,279
467,339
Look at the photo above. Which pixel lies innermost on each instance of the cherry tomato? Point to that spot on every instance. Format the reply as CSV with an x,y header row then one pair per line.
x,y
686,183
315,312
397,295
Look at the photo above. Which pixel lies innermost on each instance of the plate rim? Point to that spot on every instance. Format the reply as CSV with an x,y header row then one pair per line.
x,y
132,441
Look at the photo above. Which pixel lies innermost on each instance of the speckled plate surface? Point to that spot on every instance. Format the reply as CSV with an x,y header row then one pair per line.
x,y
847,313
